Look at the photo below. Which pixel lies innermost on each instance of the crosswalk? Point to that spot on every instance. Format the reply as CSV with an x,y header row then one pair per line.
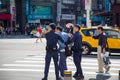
x,y
36,63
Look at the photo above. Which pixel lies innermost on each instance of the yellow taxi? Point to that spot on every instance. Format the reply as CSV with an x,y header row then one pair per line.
x,y
90,44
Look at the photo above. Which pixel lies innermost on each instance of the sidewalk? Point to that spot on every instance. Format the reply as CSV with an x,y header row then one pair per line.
x,y
15,37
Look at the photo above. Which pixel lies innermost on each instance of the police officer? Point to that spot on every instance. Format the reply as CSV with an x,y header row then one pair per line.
x,y
51,50
77,52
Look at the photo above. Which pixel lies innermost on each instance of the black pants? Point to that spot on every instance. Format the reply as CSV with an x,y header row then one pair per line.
x,y
77,56
48,57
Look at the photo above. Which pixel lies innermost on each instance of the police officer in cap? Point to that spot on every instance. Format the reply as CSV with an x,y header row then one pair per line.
x,y
77,52
52,51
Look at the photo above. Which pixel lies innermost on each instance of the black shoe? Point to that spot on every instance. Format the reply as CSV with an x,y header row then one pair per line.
x,y
75,75
80,77
44,78
59,79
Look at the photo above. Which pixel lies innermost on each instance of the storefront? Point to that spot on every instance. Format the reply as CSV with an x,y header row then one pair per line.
x,y
39,14
67,18
5,15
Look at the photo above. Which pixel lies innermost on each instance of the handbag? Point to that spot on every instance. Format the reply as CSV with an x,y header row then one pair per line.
x,y
105,58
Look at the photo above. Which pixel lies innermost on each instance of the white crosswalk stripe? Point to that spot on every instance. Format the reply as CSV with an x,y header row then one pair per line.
x,y
37,63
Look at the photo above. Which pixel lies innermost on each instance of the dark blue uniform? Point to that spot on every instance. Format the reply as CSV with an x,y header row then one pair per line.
x,y
77,55
52,40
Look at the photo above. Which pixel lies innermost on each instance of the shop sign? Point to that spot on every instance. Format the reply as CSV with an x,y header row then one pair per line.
x,y
67,17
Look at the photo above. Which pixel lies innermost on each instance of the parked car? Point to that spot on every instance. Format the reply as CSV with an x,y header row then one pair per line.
x,y
90,44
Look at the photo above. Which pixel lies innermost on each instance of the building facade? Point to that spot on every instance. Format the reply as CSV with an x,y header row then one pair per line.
x,y
98,9
67,12
5,15
115,12
40,11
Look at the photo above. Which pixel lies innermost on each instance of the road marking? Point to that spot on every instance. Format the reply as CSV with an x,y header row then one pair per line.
x,y
84,62
92,60
52,66
38,61
51,71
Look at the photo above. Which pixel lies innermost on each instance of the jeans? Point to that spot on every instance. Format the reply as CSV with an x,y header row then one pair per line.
x,y
62,63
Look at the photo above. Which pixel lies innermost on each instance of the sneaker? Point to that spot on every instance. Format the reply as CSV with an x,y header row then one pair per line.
x,y
107,69
44,78
80,77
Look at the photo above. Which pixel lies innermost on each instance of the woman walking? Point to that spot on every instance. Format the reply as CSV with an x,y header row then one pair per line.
x,y
39,34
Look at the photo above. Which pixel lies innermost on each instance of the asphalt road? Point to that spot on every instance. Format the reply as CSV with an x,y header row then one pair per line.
x,y
23,59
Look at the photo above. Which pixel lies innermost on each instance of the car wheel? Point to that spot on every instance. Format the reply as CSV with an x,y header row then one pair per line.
x,y
86,49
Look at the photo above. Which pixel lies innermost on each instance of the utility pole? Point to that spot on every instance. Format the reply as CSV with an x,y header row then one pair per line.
x,y
13,13
88,4
58,12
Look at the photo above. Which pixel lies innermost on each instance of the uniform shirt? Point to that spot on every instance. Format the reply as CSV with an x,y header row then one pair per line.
x,y
102,40
77,40
64,36
52,39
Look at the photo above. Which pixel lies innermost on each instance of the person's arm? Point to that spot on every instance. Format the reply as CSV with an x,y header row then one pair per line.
x,y
104,43
74,37
60,38
95,37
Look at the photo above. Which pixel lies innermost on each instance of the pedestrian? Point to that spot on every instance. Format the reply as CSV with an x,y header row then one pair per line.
x,y
102,43
52,51
3,33
77,52
62,46
39,34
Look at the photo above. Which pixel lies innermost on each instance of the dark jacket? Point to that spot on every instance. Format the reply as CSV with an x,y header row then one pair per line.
x,y
102,40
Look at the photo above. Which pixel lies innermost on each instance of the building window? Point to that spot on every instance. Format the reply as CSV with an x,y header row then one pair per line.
x,y
118,1
4,6
101,4
68,1
94,4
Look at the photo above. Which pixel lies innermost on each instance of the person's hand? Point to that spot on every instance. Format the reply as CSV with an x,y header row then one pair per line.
x,y
69,48
104,50
70,35
91,33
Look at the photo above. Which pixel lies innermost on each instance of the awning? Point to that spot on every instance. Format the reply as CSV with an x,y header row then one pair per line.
x,y
103,13
5,16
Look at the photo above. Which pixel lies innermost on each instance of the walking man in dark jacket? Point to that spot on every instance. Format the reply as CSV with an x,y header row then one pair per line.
x,y
102,43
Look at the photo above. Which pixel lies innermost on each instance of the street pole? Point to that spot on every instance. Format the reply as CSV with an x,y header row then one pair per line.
x,y
12,5
88,21
58,12
88,4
